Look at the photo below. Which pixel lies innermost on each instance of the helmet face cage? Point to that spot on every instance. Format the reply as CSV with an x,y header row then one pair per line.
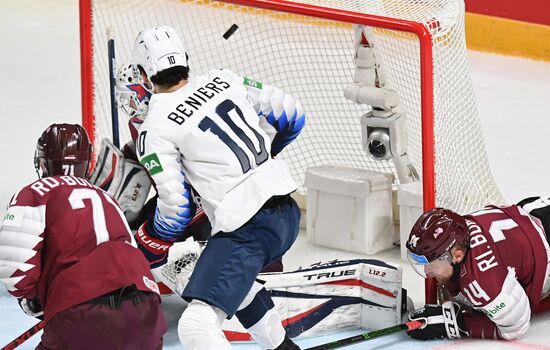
x,y
132,93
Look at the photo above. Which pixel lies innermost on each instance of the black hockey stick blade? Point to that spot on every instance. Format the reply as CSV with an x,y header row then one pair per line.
x,y
407,326
25,336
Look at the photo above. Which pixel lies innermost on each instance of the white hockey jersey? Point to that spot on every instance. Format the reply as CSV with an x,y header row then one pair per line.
x,y
212,134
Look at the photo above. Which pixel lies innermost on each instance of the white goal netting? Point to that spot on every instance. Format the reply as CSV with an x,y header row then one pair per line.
x,y
312,58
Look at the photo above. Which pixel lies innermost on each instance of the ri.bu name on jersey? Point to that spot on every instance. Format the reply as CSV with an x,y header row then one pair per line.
x,y
503,272
67,242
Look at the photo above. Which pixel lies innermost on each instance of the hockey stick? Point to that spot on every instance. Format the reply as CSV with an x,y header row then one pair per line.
x,y
25,336
112,83
407,326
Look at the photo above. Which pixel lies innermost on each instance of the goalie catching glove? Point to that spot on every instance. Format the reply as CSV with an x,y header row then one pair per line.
x,y
182,258
171,263
440,321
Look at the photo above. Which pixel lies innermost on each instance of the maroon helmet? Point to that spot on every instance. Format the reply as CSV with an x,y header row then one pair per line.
x,y
63,149
436,232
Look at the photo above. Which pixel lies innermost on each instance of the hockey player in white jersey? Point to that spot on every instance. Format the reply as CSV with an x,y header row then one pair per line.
x,y
210,141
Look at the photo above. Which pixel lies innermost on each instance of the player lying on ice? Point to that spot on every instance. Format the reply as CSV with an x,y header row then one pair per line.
x,y
67,252
492,267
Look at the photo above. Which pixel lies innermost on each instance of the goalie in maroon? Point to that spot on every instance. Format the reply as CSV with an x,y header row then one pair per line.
x,y
493,265
66,249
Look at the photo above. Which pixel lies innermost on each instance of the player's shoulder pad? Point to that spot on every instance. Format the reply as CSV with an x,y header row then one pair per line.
x,y
25,196
26,209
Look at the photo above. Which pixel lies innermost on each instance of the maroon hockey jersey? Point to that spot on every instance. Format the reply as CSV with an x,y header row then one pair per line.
x,y
503,272
67,242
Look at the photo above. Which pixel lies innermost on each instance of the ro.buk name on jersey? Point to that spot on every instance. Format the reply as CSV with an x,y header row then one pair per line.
x,y
196,99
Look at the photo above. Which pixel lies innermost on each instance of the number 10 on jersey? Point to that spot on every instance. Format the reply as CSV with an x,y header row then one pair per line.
x,y
225,111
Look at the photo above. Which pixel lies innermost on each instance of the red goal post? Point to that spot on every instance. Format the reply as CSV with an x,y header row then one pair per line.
x,y
445,139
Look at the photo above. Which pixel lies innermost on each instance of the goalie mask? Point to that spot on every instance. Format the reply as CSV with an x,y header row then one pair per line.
x,y
132,93
63,149
431,239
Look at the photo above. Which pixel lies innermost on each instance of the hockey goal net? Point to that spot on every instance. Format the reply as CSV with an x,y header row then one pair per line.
x,y
307,48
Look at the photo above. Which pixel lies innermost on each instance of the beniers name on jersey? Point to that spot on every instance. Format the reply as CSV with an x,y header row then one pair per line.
x,y
192,103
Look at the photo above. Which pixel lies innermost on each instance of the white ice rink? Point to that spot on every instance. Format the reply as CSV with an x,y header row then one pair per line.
x,y
40,69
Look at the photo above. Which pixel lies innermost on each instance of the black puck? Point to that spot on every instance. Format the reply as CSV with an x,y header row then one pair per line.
x,y
230,31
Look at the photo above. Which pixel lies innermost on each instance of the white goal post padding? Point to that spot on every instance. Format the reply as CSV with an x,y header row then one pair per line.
x,y
312,58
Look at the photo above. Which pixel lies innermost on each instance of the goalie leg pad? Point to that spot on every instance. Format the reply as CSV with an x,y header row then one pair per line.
x,y
125,180
133,190
199,327
109,167
538,207
345,295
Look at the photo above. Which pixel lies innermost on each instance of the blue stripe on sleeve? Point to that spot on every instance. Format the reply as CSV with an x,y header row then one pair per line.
x,y
175,229
272,120
282,139
282,122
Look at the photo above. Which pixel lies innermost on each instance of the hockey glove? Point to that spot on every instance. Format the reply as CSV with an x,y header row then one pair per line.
x,y
440,321
32,307
154,249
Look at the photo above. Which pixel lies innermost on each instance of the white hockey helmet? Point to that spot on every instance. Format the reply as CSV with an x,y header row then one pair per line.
x,y
159,48
132,93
